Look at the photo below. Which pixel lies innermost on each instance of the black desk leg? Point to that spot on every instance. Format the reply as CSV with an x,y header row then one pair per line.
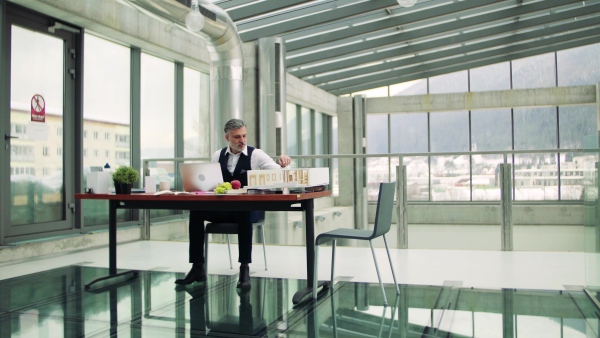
x,y
112,237
309,217
112,247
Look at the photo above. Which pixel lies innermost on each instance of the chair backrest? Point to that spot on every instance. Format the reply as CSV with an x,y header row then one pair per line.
x,y
257,216
385,207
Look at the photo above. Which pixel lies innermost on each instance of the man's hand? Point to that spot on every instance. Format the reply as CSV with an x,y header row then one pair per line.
x,y
284,160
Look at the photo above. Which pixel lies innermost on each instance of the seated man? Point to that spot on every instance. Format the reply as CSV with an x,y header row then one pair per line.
x,y
235,160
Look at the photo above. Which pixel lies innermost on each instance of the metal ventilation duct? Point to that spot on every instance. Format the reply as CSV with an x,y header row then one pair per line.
x,y
226,56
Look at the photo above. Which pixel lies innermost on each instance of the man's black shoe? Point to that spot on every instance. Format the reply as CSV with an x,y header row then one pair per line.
x,y
196,274
244,281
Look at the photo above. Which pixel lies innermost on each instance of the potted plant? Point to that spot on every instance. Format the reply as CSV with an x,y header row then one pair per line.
x,y
124,177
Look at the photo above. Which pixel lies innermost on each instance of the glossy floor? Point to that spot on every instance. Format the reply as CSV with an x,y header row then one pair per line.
x,y
46,298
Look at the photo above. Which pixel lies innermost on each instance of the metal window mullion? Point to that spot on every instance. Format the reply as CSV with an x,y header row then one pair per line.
x,y
179,117
470,142
401,207
506,207
78,127
313,135
558,174
5,197
135,114
299,125
429,151
179,95
429,146
389,143
470,161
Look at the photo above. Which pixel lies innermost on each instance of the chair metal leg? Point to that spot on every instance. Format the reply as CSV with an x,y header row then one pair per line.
x,y
332,263
378,275
315,269
262,234
383,320
229,249
206,254
391,265
333,308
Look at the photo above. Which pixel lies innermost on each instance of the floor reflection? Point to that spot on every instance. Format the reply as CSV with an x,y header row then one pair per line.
x,y
54,304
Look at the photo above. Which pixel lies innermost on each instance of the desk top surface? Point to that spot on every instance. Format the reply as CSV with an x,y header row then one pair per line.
x,y
205,197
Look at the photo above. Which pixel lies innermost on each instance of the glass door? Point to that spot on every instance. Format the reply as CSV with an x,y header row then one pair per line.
x,y
40,143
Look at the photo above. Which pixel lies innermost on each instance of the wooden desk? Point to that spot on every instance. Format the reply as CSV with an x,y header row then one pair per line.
x,y
268,202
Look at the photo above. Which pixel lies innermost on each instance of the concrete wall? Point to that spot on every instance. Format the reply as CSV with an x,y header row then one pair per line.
x,y
309,96
345,146
477,227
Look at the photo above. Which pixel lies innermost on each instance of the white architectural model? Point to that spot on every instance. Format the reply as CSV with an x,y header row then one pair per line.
x,y
301,177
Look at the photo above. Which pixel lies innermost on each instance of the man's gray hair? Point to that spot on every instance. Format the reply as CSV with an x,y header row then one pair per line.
x,y
234,124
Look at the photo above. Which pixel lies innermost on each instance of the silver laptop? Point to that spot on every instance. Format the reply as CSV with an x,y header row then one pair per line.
x,y
200,176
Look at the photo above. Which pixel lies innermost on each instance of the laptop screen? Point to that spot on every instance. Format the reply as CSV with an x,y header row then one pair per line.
x,y
200,176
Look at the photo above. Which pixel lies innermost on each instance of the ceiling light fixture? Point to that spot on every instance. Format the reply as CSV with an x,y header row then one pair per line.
x,y
194,20
407,3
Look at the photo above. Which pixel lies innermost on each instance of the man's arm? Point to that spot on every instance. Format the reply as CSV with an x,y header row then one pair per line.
x,y
284,160
264,161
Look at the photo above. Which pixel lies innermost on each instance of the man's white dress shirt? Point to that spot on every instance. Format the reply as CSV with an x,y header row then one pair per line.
x,y
259,160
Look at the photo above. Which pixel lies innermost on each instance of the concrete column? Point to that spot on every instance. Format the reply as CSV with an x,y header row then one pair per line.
x,y
271,95
345,146
508,313
506,206
401,208
359,118
270,98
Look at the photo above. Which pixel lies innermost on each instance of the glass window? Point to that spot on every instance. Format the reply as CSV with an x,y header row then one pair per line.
x,y
491,130
485,171
457,82
492,77
535,177
449,131
319,140
577,173
377,134
416,87
450,179
106,94
292,129
417,177
157,115
535,128
534,72
106,108
409,133
306,144
378,168
157,108
36,83
196,116
570,71
578,127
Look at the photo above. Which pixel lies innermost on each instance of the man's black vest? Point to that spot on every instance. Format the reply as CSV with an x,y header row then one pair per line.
x,y
242,166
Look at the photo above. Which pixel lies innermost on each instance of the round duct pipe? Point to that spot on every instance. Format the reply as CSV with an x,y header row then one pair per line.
x,y
226,57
